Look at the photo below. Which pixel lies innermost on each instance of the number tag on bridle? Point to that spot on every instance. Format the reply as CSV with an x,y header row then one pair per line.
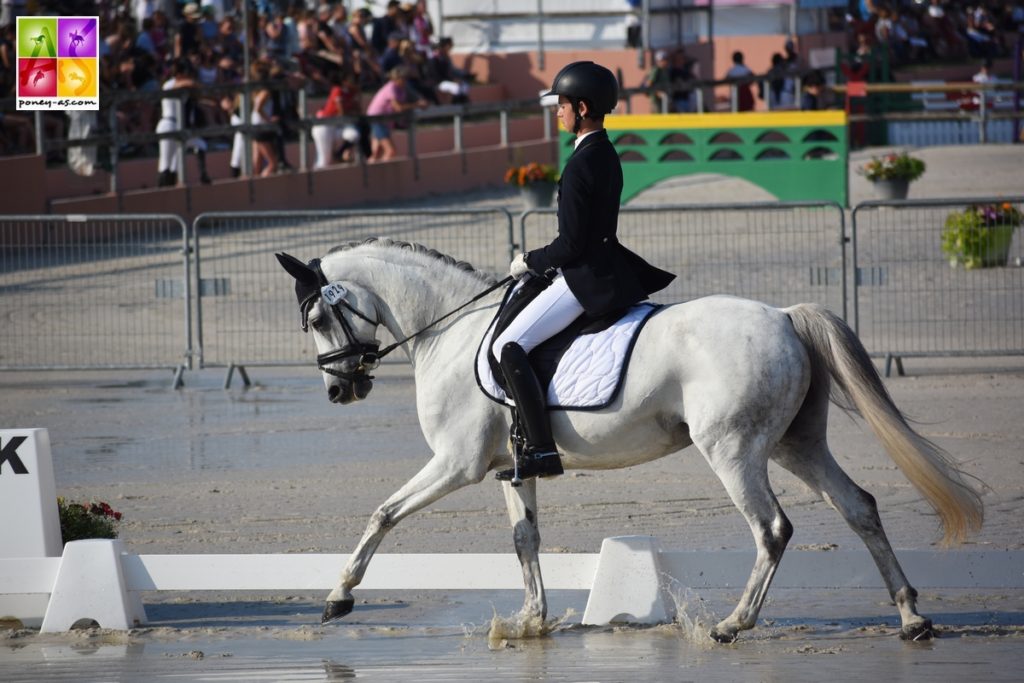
x,y
333,293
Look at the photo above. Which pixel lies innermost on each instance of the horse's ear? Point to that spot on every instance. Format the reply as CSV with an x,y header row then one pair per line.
x,y
296,268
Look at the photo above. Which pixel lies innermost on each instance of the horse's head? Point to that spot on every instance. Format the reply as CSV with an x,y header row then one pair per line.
x,y
343,333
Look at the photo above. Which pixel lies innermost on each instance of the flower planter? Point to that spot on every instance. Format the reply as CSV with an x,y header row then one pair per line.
x,y
537,195
991,251
893,188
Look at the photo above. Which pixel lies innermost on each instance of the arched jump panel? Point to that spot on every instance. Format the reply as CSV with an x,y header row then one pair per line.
x,y
796,156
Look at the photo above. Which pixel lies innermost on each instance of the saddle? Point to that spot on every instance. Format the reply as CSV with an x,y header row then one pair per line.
x,y
581,367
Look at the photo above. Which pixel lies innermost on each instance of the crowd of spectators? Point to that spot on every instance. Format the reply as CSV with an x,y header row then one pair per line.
x,y
912,32
313,45
347,56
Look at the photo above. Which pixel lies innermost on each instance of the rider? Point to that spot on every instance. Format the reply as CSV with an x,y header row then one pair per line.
x,y
589,270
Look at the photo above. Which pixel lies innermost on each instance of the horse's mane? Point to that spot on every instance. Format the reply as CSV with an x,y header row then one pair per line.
x,y
418,249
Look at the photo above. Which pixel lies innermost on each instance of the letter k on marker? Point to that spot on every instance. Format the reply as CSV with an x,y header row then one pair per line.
x,y
10,453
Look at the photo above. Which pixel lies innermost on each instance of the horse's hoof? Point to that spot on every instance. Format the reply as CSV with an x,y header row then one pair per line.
x,y
919,631
336,609
724,637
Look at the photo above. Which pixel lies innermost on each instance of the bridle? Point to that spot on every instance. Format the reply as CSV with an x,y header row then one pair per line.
x,y
368,353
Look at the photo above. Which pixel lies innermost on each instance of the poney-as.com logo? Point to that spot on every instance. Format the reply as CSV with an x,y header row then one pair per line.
x,y
58,63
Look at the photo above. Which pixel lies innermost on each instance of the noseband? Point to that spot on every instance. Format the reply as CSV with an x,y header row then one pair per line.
x,y
367,352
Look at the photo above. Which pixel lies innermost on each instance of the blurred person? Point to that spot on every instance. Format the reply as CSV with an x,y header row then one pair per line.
x,y
812,96
159,35
274,38
208,28
339,24
328,45
286,108
365,61
984,75
391,56
390,99
227,43
8,61
418,81
17,134
231,105
143,9
144,40
449,78
10,10
264,141
421,29
382,27
219,8
681,73
659,80
183,75
741,73
981,33
780,90
136,73
343,100
189,37
943,34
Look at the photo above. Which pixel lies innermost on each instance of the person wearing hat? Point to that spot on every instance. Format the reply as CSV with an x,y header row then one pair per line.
x,y
585,268
186,43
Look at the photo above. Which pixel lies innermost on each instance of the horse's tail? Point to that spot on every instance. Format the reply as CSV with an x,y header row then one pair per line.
x,y
837,353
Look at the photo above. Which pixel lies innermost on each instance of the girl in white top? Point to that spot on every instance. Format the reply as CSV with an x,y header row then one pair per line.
x,y
183,75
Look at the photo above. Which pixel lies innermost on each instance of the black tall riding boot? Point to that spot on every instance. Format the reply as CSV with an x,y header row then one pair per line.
x,y
540,457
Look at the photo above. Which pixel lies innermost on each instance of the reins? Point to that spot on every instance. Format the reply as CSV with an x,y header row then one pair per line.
x,y
481,295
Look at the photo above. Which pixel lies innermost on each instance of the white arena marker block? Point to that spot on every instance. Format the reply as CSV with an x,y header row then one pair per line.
x,y
628,585
90,585
28,493
26,485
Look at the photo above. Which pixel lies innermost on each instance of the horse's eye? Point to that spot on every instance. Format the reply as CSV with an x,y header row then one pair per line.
x,y
318,324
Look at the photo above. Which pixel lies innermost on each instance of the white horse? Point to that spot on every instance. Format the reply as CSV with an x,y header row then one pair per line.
x,y
742,381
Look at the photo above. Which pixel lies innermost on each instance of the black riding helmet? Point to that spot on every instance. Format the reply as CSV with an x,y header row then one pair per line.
x,y
587,81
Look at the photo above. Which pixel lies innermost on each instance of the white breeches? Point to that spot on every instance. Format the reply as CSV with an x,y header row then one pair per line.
x,y
544,317
237,143
325,137
169,146
454,87
323,140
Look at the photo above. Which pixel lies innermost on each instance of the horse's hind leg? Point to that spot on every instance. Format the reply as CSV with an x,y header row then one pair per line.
x,y
743,469
522,511
812,462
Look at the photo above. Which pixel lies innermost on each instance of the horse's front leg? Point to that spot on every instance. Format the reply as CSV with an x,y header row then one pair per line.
x,y
522,511
437,479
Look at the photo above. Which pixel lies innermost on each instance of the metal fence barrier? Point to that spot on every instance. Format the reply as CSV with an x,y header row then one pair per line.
x,y
97,291
908,299
778,253
121,291
246,309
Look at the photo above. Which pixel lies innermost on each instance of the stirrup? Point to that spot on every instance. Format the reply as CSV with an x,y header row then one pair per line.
x,y
540,464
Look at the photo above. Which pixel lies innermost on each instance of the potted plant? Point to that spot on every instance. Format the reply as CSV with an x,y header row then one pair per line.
x,y
79,521
980,235
536,183
892,174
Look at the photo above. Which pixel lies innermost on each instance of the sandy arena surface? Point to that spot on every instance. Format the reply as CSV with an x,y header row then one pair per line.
x,y
276,468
